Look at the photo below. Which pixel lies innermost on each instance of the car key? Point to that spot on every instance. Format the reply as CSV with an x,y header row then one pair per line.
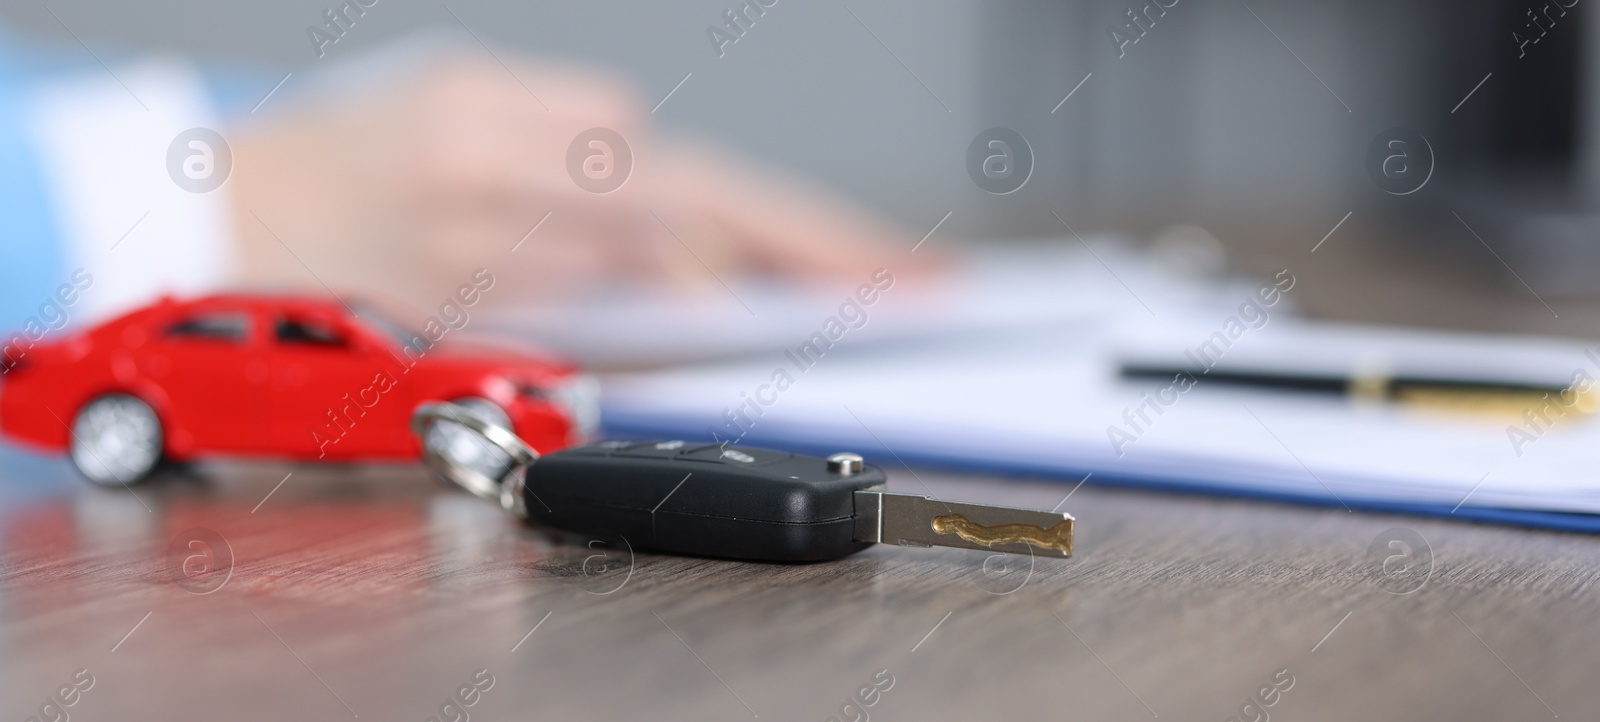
x,y
718,500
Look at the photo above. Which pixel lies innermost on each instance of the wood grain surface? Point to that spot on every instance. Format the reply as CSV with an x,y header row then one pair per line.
x,y
374,593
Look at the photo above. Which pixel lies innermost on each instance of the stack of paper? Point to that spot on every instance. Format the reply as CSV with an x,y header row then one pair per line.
x,y
1047,399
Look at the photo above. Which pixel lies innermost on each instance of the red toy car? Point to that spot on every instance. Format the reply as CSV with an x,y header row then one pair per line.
x,y
269,376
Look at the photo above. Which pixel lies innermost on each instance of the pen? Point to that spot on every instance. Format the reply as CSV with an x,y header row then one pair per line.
x,y
1452,394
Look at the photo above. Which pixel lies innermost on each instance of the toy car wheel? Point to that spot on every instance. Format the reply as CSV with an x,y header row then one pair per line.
x,y
116,439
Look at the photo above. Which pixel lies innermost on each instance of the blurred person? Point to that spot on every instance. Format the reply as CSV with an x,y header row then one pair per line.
x,y
397,175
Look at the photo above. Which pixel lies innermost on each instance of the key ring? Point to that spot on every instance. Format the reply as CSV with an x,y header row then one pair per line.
x,y
504,485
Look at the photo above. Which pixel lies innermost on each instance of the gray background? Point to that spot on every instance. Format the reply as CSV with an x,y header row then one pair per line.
x,y
1208,116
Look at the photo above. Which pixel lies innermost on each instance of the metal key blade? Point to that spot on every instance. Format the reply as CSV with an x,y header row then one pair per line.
x,y
913,520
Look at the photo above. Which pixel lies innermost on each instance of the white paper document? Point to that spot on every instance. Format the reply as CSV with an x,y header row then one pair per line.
x,y
1046,397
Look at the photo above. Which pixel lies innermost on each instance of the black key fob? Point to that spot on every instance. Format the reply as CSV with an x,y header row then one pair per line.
x,y
713,500
703,499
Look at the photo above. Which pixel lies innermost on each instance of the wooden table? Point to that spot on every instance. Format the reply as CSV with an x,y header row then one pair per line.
x,y
376,592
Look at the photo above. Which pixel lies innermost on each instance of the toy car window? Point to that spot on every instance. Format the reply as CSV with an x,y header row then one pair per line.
x,y
308,333
220,326
397,332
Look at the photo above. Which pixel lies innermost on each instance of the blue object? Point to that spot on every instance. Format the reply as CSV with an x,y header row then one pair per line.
x,y
34,263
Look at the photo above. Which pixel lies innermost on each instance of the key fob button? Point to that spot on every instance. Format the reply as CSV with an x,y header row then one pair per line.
x,y
601,448
662,449
736,456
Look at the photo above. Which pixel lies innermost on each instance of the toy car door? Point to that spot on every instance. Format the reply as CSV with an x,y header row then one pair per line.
x,y
329,384
209,362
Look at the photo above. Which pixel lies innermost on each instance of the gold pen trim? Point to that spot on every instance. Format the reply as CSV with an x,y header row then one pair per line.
x,y
1510,404
1483,402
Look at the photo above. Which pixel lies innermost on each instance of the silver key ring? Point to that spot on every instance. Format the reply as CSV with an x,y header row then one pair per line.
x,y
505,487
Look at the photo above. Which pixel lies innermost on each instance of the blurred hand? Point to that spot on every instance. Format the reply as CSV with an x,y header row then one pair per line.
x,y
404,191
